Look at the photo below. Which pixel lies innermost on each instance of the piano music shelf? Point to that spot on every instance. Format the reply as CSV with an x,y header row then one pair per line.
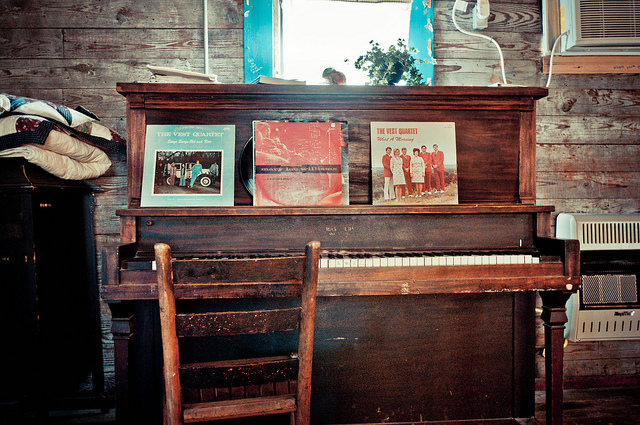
x,y
340,210
495,127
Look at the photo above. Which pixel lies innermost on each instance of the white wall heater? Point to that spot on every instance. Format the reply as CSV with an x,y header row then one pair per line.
x,y
607,307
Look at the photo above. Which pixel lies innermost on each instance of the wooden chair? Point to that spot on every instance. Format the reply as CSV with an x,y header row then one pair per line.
x,y
236,388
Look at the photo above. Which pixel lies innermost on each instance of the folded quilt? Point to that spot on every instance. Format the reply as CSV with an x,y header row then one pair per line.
x,y
63,156
68,143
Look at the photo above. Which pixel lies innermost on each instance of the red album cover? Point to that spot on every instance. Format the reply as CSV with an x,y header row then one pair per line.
x,y
297,163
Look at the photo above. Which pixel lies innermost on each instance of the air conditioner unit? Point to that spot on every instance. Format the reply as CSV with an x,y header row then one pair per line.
x,y
607,307
600,26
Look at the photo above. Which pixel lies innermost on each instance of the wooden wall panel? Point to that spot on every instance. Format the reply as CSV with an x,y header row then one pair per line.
x,y
515,46
517,16
594,129
118,14
31,43
588,185
588,162
588,101
72,74
483,72
156,43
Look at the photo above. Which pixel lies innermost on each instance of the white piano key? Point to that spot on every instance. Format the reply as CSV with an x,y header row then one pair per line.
x,y
428,260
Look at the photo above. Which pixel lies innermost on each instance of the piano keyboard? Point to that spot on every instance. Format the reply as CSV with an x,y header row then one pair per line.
x,y
344,259
350,260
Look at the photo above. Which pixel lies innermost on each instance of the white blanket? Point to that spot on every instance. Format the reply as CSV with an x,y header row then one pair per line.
x,y
63,156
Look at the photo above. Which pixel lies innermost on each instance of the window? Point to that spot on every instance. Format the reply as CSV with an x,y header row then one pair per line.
x,y
316,34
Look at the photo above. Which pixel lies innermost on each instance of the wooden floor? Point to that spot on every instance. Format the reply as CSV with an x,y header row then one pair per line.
x,y
606,406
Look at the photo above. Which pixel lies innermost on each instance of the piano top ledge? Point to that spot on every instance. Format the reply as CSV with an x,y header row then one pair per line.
x,y
337,210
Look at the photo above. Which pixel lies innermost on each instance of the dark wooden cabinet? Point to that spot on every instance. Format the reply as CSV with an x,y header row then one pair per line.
x,y
49,314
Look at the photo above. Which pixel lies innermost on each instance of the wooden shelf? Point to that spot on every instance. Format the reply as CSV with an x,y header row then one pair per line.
x,y
488,208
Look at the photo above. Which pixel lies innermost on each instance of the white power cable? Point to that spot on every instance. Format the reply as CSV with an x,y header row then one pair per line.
x,y
206,37
553,49
453,18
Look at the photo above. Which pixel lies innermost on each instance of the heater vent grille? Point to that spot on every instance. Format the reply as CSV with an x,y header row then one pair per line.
x,y
612,235
600,231
609,289
599,326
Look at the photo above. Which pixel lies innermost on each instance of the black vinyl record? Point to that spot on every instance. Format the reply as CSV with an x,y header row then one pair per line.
x,y
246,167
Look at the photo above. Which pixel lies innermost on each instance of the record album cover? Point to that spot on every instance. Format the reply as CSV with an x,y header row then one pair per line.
x,y
188,165
414,163
300,163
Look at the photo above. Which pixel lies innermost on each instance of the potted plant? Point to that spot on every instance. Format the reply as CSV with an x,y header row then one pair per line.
x,y
391,66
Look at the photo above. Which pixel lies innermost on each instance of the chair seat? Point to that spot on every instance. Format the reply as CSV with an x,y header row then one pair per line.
x,y
228,409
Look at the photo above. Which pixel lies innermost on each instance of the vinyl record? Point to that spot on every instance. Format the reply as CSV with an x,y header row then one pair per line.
x,y
246,167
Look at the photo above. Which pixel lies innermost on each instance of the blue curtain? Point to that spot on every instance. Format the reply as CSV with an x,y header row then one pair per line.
x,y
258,39
421,36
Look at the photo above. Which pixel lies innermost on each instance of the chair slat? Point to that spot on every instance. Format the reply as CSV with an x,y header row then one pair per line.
x,y
237,322
230,409
239,373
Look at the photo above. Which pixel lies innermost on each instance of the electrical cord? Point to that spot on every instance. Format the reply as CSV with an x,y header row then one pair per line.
x,y
453,18
553,49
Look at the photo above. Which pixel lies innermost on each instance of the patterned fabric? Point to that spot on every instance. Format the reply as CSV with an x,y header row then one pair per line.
x,y
45,109
26,126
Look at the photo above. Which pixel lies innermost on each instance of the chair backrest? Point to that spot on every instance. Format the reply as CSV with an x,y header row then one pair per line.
x,y
216,383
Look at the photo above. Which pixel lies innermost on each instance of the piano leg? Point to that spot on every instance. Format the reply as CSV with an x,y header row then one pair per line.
x,y
122,329
554,317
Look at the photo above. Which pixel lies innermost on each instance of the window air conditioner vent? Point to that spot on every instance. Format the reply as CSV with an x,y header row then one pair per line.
x,y
601,26
609,18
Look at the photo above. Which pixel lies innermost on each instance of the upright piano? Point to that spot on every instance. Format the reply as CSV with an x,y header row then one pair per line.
x,y
425,313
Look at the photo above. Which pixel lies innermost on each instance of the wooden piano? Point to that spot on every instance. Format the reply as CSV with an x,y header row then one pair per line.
x,y
443,332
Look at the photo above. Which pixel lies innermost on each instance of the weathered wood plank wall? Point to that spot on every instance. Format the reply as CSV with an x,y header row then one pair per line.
x,y
75,51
